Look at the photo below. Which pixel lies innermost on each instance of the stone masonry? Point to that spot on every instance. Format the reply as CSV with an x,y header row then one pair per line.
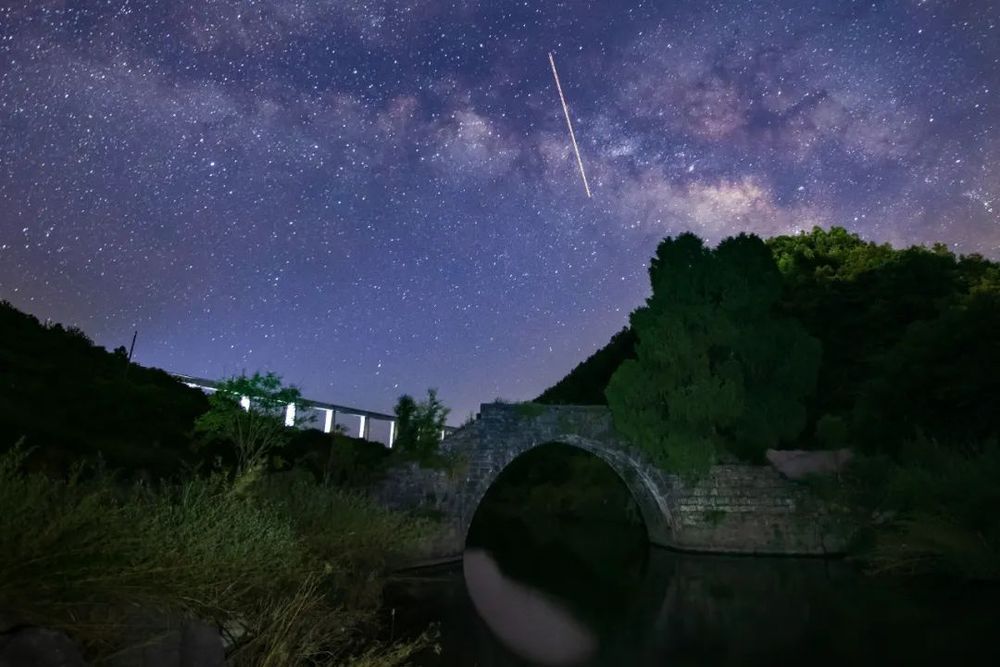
x,y
734,509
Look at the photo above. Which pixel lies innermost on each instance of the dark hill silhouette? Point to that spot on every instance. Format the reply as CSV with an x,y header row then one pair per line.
x,y
585,384
70,399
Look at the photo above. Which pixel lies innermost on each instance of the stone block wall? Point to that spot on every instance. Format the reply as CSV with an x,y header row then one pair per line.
x,y
753,509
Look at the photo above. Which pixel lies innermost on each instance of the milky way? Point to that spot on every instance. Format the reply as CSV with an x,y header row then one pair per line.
x,y
376,197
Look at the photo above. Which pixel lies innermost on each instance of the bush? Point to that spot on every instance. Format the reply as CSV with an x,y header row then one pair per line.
x,y
931,511
337,459
945,502
248,413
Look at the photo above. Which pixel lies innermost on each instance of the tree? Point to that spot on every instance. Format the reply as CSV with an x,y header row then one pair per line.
x,y
419,426
715,366
858,298
249,413
939,380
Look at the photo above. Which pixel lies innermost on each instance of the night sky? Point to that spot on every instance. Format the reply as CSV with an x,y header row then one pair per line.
x,y
377,197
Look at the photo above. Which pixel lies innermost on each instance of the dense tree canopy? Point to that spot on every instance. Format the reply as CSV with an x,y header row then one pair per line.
x,y
908,335
714,365
907,338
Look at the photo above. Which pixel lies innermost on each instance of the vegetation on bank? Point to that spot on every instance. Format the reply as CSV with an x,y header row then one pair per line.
x,y
907,339
722,362
130,493
292,568
931,509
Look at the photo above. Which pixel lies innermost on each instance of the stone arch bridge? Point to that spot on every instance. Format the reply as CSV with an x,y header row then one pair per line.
x,y
736,508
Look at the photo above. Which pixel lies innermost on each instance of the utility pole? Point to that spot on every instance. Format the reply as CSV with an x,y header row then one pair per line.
x,y
131,349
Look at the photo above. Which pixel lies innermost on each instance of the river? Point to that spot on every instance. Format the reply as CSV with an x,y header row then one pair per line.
x,y
571,592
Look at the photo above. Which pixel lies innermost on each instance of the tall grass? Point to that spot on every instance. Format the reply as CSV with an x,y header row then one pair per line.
x,y
296,566
945,504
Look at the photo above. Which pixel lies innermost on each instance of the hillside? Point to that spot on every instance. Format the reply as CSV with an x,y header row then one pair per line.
x,y
584,385
70,399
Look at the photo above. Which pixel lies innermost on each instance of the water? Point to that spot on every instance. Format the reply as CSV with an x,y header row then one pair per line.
x,y
559,592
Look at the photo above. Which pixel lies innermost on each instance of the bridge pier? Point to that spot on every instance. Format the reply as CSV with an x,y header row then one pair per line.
x,y
329,419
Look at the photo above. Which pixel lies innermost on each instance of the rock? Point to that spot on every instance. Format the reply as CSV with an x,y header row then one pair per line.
x,y
798,463
158,641
38,647
201,645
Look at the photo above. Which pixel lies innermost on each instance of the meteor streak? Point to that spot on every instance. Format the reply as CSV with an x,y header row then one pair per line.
x,y
569,124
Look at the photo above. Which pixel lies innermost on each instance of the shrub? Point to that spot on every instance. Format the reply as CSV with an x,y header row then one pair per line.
x,y
944,500
248,412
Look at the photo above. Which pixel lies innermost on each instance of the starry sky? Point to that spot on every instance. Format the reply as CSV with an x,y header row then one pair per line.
x,y
372,198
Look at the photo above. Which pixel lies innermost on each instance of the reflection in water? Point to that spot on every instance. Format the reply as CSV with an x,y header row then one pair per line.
x,y
526,620
551,592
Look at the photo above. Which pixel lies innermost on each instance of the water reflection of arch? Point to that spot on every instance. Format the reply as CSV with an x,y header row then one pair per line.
x,y
563,597
648,488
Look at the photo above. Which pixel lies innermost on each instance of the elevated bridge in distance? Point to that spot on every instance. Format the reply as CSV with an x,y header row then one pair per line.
x,y
329,411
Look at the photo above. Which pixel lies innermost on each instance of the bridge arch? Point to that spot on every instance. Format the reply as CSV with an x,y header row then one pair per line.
x,y
634,474
734,508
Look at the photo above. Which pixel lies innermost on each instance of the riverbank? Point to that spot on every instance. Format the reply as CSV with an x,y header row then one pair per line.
x,y
269,569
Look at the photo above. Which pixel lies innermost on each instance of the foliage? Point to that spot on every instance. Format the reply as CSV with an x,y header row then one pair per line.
x,y
72,400
419,426
942,503
530,410
907,339
345,530
940,379
298,566
714,365
256,428
336,458
874,308
832,432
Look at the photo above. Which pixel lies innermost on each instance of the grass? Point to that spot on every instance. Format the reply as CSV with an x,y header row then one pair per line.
x,y
530,410
945,501
931,511
297,566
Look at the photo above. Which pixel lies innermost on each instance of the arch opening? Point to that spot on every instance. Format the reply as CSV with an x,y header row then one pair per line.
x,y
557,553
566,481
